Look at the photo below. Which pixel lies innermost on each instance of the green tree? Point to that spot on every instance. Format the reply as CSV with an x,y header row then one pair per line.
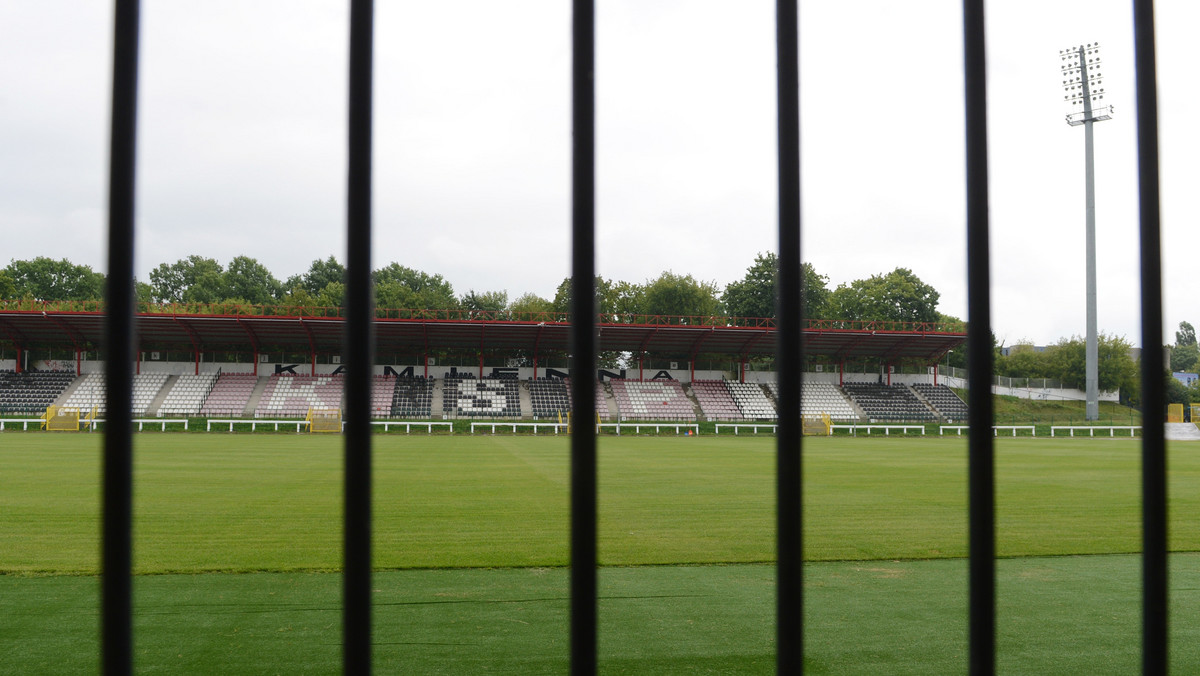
x,y
8,287
44,278
486,302
332,296
1184,357
249,280
1115,368
896,296
400,287
143,292
529,304
320,274
1023,361
298,297
194,279
1186,335
692,302
755,294
1177,392
604,297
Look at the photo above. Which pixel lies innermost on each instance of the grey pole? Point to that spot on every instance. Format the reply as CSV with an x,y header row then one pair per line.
x,y
1092,377
1078,85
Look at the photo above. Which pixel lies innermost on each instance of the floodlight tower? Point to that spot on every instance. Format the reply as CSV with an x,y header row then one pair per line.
x,y
1084,97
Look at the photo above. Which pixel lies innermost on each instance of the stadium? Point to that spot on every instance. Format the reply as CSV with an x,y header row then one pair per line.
x,y
249,488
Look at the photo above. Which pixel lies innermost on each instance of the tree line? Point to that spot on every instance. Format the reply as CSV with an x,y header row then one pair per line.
x,y
898,295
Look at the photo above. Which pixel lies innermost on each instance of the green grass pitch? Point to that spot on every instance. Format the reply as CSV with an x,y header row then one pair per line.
x,y
470,540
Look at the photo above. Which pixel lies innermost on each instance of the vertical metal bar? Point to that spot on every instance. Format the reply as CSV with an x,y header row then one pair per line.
x,y
359,352
583,340
116,617
1154,470
981,462
789,603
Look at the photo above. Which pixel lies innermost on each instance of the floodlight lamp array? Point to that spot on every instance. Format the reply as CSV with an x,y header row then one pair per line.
x,y
1083,83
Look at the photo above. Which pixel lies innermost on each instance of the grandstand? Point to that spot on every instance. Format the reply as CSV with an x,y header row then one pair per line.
x,y
383,391
230,396
715,400
88,393
187,395
31,393
291,396
412,398
943,400
415,392
465,397
751,401
818,398
549,398
652,400
893,403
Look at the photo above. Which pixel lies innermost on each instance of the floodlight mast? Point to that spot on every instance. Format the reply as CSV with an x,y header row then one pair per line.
x,y
1081,80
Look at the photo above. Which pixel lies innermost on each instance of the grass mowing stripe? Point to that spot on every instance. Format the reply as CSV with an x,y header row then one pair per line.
x,y
1061,616
225,502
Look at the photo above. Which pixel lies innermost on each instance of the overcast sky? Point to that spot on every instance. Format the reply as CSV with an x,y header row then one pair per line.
x,y
242,143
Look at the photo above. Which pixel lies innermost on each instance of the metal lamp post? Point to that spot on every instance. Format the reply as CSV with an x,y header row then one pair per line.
x,y
1084,96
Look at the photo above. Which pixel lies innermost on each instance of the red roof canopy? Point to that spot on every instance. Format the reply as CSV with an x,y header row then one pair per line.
x,y
309,330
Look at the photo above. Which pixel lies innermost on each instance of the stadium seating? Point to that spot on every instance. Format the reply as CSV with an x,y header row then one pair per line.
x,y
383,390
146,387
486,398
715,400
290,396
944,401
230,395
889,402
821,398
549,397
187,395
31,392
88,392
825,398
652,400
92,392
602,411
412,398
751,401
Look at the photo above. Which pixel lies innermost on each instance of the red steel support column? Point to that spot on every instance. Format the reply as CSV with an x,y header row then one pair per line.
x,y
313,361
425,357
535,365
640,367
481,365
78,362
196,354
137,365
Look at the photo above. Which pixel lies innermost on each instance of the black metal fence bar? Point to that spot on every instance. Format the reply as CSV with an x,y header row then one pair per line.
x,y
789,604
981,464
116,558
1154,470
359,349
583,340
